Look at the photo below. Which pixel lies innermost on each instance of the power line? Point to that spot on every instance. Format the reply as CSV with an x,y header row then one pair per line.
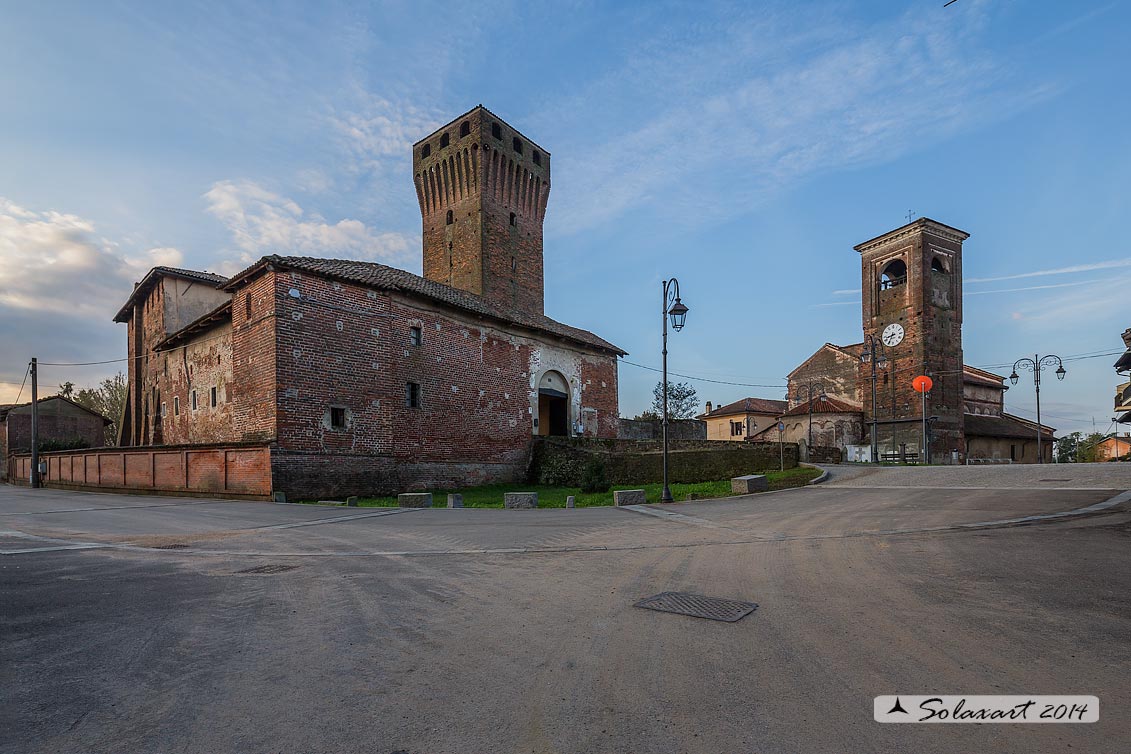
x,y
26,373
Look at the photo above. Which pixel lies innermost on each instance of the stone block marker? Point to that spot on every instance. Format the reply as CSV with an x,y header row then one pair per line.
x,y
569,501
629,497
520,500
351,501
455,500
744,485
280,497
414,500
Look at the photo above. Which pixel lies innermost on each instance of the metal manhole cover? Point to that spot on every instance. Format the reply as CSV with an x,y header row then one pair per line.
x,y
698,606
269,568
174,546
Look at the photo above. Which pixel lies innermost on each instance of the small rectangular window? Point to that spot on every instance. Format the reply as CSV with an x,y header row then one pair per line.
x,y
416,336
337,417
412,395
247,306
176,406
164,409
212,397
193,400
1013,452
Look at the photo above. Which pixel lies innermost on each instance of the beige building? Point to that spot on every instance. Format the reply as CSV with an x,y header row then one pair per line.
x,y
1115,447
741,419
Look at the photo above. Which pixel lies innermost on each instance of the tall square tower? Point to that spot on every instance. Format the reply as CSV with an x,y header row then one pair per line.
x,y
911,281
482,188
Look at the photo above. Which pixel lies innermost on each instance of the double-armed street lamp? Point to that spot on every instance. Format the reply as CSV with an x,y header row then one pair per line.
x,y
809,387
1036,365
875,355
674,308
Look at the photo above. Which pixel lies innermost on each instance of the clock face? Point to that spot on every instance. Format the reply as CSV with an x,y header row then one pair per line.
x,y
893,335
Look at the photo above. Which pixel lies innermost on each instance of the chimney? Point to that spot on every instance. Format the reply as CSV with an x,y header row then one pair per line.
x,y
708,407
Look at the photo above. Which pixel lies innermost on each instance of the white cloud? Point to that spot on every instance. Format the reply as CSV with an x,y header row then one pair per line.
x,y
1108,265
1030,288
53,260
374,129
263,222
755,102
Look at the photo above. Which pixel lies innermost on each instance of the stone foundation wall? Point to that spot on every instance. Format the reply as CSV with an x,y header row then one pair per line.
x,y
563,462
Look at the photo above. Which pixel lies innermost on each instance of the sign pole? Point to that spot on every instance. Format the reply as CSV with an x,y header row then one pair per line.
x,y
781,444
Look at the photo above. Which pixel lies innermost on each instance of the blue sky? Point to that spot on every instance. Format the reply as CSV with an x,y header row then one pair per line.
x,y
743,147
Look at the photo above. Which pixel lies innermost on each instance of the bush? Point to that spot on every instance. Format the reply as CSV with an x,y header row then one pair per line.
x,y
75,443
595,478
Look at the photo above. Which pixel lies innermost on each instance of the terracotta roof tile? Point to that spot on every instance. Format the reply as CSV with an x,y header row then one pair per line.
x,y
825,405
750,406
382,277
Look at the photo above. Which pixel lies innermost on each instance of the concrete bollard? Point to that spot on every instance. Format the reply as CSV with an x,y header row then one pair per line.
x,y
455,500
280,497
569,501
414,500
520,500
745,485
629,497
351,501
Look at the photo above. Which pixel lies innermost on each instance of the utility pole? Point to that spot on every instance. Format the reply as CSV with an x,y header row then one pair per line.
x,y
34,423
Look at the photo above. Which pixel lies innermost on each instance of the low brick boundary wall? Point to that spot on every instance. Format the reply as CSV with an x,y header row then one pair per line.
x,y
236,471
562,462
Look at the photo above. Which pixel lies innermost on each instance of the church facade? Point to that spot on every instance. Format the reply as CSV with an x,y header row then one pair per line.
x,y
911,318
366,379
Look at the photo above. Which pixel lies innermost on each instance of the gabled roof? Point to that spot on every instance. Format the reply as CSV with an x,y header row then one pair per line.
x,y
824,405
151,278
1123,363
748,406
977,376
382,277
7,408
853,351
1006,425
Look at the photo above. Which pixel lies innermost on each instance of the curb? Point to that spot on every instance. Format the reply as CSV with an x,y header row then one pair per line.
x,y
824,473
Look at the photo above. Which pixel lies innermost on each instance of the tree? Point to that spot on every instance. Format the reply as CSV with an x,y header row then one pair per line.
x,y
108,399
1087,452
1067,447
683,403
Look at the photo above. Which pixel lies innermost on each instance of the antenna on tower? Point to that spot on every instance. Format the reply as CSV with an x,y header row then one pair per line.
x,y
910,215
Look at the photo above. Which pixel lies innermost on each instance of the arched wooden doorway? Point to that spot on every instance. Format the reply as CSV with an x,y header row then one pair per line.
x,y
553,405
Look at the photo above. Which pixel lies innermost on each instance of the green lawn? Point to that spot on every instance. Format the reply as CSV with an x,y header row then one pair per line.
x,y
491,495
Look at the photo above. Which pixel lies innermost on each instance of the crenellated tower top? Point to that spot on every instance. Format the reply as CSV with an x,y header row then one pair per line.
x,y
483,188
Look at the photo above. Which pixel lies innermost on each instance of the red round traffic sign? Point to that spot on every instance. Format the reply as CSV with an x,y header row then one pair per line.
x,y
922,384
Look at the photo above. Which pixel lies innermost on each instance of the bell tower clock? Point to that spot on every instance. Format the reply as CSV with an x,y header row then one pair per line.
x,y
911,285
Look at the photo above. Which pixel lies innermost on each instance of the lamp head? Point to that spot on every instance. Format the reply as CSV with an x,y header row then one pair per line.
x,y
1060,372
678,314
1013,377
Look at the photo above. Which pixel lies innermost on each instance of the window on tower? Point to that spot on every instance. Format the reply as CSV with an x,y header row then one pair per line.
x,y
425,151
537,157
464,129
451,217
514,219
937,265
445,140
894,274
497,131
517,143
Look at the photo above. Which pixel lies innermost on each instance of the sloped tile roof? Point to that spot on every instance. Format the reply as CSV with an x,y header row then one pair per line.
x,y
383,277
824,405
1006,425
749,406
151,277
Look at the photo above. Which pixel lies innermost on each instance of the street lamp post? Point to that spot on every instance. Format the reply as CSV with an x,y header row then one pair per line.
x,y
674,308
809,386
875,355
1036,365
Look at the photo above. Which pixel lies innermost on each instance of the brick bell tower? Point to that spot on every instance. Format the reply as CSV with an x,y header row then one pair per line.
x,y
912,277
482,188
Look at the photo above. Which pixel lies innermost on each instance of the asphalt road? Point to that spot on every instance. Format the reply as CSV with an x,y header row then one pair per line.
x,y
514,631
